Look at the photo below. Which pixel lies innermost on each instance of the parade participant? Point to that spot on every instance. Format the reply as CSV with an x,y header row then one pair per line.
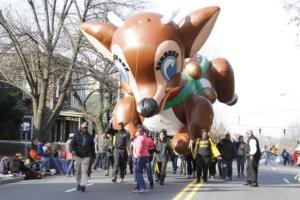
x,y
182,160
202,153
295,157
120,143
162,153
240,157
109,152
151,150
191,166
285,154
174,159
219,142
214,161
82,146
141,155
228,154
253,155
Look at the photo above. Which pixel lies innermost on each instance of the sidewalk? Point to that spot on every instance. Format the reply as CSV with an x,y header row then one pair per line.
x,y
10,178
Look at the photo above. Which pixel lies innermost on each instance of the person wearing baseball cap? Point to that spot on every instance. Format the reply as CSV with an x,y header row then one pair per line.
x,y
82,146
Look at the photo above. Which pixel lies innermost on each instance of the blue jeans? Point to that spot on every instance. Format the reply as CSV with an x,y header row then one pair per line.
x,y
140,182
174,162
45,163
100,160
149,170
58,165
71,167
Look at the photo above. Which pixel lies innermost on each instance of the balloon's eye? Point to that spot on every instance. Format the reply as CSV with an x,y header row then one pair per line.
x,y
122,68
167,64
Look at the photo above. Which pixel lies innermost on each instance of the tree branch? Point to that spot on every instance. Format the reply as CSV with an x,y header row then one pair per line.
x,y
41,34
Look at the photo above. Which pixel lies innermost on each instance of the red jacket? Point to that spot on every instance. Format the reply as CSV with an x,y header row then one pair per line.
x,y
295,157
151,145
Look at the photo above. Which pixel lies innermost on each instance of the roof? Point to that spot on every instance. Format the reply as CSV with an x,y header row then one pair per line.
x,y
71,113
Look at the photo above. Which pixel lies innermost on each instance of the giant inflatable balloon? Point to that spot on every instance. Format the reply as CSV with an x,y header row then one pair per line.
x,y
162,90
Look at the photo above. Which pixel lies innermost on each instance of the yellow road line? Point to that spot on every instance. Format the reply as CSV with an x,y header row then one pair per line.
x,y
184,190
193,192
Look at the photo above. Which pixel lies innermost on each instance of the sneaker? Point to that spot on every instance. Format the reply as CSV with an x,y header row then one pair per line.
x,y
151,185
78,187
83,188
114,179
143,190
247,183
253,185
135,190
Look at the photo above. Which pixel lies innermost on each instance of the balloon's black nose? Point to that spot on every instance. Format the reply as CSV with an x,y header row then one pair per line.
x,y
147,107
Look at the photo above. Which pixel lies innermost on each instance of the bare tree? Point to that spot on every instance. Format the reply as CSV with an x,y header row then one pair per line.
x,y
104,89
49,46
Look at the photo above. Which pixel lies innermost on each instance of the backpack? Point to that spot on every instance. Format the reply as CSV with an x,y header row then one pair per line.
x,y
5,165
35,166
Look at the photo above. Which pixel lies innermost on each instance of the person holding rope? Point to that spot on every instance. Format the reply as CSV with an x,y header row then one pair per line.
x,y
161,156
202,154
120,143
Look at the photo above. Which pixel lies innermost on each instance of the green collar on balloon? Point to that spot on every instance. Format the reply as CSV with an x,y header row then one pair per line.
x,y
191,87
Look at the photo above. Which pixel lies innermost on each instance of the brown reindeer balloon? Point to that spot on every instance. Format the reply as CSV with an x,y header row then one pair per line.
x,y
160,89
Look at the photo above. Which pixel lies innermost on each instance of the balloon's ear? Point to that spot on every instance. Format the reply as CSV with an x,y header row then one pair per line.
x,y
196,27
100,35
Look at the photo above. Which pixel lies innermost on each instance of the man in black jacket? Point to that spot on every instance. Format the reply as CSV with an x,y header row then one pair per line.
x,y
121,142
228,154
253,155
161,156
82,146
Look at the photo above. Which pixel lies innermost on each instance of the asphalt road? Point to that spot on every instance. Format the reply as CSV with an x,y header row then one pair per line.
x,y
275,183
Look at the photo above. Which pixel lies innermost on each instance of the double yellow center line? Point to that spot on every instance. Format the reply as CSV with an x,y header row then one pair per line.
x,y
190,190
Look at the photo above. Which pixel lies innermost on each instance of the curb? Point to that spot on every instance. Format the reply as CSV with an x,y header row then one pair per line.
x,y
11,180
